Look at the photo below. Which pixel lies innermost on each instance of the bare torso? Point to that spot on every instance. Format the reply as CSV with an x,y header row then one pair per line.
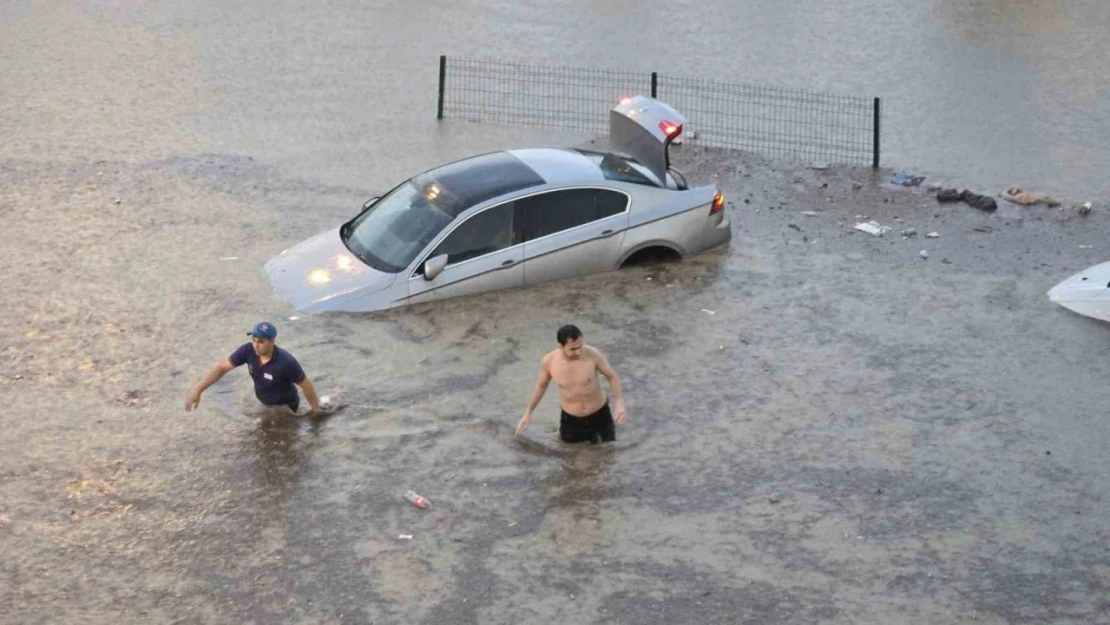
x,y
579,389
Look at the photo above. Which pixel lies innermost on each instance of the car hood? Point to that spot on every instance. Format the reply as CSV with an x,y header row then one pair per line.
x,y
1090,284
321,274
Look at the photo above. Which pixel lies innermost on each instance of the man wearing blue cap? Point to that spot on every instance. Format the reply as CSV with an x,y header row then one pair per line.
x,y
274,370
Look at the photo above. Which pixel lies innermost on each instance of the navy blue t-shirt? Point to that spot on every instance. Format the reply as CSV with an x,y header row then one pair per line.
x,y
273,381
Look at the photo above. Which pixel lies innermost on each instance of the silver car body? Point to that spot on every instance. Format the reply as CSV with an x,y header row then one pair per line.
x,y
614,204
1087,292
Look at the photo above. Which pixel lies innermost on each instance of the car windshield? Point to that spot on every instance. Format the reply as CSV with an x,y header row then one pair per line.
x,y
390,234
394,230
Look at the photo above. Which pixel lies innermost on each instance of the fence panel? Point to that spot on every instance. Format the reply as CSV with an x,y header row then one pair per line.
x,y
506,92
772,121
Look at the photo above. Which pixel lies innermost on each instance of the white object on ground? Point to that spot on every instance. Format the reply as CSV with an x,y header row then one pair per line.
x,y
230,258
1087,292
405,536
706,310
873,227
810,213
932,235
294,318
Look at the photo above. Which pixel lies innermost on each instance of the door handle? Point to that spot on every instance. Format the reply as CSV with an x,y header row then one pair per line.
x,y
508,263
605,234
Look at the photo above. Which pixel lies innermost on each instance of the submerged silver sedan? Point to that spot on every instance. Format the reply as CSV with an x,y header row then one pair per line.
x,y
511,219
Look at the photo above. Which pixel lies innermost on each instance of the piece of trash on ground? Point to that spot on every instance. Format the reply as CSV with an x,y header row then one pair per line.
x,y
932,235
230,258
707,311
405,536
1083,208
513,524
294,318
1017,195
908,180
810,213
924,253
976,200
872,227
417,500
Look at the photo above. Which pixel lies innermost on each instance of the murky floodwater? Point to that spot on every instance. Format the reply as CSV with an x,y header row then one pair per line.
x,y
823,427
998,91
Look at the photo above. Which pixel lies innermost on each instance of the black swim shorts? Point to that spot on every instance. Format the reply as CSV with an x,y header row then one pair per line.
x,y
598,426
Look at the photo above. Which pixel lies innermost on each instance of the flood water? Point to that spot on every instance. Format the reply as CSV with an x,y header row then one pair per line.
x,y
824,427
999,92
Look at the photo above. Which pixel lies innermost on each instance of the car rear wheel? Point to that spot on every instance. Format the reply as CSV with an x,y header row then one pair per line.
x,y
651,256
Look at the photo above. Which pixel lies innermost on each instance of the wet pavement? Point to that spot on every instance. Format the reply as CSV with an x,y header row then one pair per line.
x,y
825,427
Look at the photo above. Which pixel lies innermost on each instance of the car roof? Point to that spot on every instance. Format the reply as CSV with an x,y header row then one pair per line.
x,y
559,166
461,184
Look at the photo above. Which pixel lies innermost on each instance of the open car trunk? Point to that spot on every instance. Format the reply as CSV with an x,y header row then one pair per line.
x,y
642,128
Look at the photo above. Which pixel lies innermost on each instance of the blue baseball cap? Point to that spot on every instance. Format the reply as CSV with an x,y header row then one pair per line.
x,y
263,330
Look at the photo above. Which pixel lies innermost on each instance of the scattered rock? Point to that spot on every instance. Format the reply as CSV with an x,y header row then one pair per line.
x,y
1084,208
908,233
856,186
933,235
794,226
774,498
810,213
924,253
983,228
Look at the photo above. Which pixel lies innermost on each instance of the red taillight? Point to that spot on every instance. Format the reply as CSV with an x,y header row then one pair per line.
x,y
669,128
718,203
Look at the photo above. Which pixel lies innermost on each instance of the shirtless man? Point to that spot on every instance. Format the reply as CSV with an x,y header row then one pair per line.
x,y
574,367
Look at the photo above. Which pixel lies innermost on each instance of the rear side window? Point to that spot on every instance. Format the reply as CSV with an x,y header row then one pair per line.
x,y
549,213
609,203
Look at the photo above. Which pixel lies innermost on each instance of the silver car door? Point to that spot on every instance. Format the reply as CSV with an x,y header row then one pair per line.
x,y
484,254
572,232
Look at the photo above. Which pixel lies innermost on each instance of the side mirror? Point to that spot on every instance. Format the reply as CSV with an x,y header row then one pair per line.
x,y
368,203
434,266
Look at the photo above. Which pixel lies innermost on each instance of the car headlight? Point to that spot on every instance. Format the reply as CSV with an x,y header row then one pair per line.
x,y
319,276
345,264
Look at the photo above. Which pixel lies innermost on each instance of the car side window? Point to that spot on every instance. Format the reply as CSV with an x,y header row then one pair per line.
x,y
609,203
489,231
548,213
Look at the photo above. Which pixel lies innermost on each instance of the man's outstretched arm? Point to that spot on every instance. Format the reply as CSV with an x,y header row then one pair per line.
x,y
614,383
310,393
214,374
537,394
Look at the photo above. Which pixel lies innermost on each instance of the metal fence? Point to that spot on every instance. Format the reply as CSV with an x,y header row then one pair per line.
x,y
768,120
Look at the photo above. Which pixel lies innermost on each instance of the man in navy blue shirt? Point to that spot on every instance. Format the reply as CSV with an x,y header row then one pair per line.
x,y
274,370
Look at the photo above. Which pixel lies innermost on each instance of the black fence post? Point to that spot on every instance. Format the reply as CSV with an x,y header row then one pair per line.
x,y
442,81
654,85
875,130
